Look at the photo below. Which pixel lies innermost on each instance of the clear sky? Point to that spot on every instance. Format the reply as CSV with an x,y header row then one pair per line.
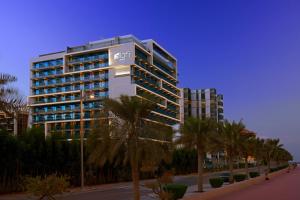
x,y
248,50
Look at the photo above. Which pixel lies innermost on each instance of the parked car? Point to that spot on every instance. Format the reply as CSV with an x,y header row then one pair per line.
x,y
225,176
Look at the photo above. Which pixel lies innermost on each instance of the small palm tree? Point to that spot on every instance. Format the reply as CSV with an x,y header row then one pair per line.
x,y
143,143
281,155
230,139
196,133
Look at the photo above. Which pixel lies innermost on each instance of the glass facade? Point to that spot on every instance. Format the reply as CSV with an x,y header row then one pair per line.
x,y
203,103
57,80
56,90
159,81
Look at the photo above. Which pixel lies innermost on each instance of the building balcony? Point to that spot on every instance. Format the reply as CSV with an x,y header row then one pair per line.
x,y
171,89
157,91
99,58
153,70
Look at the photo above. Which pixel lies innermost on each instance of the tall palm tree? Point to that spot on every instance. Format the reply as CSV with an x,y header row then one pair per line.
x,y
257,151
230,139
246,147
144,144
196,133
269,150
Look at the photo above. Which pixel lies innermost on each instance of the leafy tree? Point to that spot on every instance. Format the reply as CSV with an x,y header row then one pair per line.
x,y
10,150
196,133
184,160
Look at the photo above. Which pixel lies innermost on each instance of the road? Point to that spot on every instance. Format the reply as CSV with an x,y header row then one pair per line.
x,y
124,191
118,190
283,187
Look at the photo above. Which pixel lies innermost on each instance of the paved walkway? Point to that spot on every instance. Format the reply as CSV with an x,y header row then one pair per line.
x,y
283,187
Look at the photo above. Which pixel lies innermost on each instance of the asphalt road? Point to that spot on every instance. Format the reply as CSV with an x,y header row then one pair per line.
x,y
124,191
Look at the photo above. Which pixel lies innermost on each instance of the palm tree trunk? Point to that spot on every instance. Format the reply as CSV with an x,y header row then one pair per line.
x,y
230,169
246,167
135,180
135,171
258,166
268,170
200,170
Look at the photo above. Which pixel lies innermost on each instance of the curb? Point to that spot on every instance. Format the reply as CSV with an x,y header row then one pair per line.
x,y
218,192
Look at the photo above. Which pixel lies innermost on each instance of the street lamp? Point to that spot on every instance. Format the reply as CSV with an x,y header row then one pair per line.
x,y
83,96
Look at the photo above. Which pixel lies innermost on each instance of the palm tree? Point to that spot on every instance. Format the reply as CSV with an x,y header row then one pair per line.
x,y
281,155
196,133
246,147
230,139
10,100
269,150
257,151
143,143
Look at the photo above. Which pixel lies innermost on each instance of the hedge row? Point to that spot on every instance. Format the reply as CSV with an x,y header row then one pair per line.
x,y
274,169
253,174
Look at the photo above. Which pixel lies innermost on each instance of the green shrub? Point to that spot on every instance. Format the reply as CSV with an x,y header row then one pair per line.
x,y
216,182
157,186
46,187
274,169
177,190
253,174
239,177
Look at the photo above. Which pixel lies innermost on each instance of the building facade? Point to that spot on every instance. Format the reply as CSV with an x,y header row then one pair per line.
x,y
107,68
202,103
16,123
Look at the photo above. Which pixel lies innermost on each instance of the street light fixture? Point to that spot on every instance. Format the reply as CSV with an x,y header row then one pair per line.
x,y
83,96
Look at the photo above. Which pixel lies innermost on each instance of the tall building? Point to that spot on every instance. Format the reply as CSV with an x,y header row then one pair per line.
x,y
107,68
202,103
16,123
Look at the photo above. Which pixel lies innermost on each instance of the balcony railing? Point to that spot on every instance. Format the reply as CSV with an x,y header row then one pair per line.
x,y
170,88
89,59
169,97
148,68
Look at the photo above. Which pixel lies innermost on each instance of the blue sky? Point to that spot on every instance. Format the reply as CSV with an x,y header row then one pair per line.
x,y
248,50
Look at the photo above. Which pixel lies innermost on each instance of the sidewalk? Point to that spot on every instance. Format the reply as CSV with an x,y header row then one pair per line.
x,y
283,187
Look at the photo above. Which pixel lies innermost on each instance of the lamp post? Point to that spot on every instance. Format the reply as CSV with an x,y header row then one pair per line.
x,y
82,98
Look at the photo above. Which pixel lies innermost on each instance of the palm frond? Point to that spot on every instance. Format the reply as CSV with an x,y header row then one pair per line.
x,y
6,78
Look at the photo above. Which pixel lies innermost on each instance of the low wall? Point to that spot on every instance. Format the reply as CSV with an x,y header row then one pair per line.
x,y
218,192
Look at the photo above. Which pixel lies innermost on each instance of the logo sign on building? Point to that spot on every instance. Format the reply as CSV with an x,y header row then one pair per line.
x,y
122,56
